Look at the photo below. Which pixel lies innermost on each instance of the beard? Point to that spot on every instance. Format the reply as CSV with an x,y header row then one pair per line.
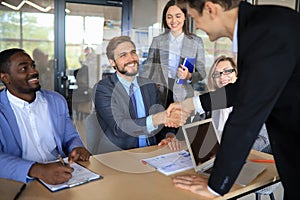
x,y
125,72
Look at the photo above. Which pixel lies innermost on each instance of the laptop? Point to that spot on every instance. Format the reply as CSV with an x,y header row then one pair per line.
x,y
203,141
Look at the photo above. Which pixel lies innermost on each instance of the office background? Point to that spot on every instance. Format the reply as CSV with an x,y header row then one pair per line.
x,y
73,34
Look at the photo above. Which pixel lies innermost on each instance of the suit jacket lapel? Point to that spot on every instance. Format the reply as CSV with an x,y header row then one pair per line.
x,y
11,119
164,55
145,95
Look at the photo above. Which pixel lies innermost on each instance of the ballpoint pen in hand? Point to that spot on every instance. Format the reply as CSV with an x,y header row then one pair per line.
x,y
61,160
60,157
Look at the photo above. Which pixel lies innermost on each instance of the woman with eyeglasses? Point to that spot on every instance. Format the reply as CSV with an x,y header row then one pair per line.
x,y
224,71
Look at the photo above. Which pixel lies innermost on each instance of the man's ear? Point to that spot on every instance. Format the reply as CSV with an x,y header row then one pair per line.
x,y
4,78
210,8
112,63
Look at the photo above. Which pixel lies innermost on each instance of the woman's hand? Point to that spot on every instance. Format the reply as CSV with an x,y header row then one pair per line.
x,y
183,73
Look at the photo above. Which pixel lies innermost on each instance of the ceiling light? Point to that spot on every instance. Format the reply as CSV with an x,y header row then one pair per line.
x,y
27,2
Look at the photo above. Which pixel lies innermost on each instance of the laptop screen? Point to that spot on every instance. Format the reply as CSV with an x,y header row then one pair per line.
x,y
202,142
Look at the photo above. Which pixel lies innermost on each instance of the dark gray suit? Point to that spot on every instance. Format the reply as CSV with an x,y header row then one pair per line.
x,y
117,117
267,91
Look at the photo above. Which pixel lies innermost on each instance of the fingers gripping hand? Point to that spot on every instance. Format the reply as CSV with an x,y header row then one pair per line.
x,y
177,118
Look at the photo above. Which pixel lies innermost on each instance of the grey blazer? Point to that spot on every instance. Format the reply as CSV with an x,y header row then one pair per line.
x,y
156,65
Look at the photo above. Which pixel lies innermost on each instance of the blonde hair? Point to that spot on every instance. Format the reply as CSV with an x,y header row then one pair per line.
x,y
211,83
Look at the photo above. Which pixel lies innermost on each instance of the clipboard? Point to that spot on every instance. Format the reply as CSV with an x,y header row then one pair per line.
x,y
80,175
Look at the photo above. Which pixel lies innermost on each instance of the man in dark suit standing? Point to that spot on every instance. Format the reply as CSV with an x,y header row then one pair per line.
x,y
128,107
266,39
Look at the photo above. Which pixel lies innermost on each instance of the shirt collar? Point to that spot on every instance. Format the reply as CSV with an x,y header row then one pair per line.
x,y
179,38
20,102
126,83
235,39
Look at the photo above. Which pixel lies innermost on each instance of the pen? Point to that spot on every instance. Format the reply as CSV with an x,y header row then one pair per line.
x,y
263,160
61,160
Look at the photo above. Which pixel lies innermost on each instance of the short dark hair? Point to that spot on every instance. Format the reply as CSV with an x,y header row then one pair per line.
x,y
5,56
186,24
113,43
199,4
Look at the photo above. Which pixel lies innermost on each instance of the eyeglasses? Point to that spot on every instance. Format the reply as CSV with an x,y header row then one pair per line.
x,y
225,72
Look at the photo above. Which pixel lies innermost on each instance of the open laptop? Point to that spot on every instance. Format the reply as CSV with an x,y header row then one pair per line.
x,y
203,142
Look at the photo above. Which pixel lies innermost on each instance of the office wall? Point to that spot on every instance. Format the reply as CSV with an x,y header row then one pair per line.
x,y
144,13
147,12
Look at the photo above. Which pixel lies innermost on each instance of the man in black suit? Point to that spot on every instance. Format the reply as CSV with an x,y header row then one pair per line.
x,y
129,123
267,40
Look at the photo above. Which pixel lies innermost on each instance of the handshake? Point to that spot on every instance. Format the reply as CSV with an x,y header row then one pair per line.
x,y
175,115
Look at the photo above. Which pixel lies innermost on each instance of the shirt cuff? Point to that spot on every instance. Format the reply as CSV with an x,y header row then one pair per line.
x,y
149,124
212,191
197,105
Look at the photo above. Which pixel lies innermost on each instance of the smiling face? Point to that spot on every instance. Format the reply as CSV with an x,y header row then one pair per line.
x,y
125,60
175,19
22,80
224,79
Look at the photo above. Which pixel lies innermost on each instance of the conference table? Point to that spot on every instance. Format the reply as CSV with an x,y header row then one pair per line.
x,y
125,177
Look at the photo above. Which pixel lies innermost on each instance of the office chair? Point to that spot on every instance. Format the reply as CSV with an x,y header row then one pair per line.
x,y
97,142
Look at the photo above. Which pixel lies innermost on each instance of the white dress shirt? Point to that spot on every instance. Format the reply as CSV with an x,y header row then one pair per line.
x,y
38,143
175,46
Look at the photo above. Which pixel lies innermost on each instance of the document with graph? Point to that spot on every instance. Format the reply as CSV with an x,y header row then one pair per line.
x,y
170,163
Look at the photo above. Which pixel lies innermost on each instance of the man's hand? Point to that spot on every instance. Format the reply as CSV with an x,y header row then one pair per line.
x,y
186,106
51,173
79,154
176,118
193,183
172,142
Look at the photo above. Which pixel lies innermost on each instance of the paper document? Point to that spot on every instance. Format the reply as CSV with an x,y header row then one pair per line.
x,y
170,163
80,175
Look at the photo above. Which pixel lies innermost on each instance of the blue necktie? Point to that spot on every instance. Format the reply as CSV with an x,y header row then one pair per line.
x,y
142,142
132,99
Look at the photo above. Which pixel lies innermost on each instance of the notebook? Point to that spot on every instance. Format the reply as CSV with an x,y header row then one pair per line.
x,y
203,142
